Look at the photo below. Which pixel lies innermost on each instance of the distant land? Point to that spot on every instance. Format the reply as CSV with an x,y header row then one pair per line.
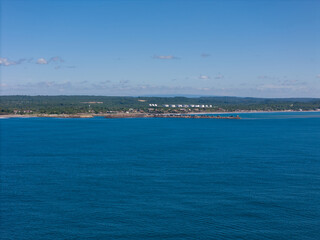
x,y
92,105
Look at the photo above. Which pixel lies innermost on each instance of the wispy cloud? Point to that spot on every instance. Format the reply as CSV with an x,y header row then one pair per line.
x,y
60,67
274,86
124,81
51,60
44,87
266,77
318,76
41,61
219,77
204,77
125,87
284,84
7,62
165,57
56,59
205,55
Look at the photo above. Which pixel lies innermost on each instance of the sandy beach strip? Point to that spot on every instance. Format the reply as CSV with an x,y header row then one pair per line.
x,y
104,115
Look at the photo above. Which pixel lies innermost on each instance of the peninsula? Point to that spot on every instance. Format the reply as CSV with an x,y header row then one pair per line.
x,y
147,107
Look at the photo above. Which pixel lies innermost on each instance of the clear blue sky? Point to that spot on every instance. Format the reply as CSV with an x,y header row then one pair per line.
x,y
239,48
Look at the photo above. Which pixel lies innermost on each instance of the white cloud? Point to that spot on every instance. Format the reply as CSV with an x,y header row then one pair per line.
x,y
7,62
4,62
204,77
165,57
42,61
51,60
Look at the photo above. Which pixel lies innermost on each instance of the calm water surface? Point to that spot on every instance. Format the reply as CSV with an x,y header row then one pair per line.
x,y
254,178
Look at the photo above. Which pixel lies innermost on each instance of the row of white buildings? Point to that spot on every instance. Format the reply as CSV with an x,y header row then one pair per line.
x,y
181,106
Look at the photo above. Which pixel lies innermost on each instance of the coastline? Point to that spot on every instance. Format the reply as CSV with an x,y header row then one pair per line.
x,y
134,115
254,111
48,116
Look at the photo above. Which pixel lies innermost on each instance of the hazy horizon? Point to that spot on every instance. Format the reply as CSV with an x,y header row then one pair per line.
x,y
155,96
267,49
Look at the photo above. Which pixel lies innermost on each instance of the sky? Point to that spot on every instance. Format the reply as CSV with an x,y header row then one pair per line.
x,y
149,48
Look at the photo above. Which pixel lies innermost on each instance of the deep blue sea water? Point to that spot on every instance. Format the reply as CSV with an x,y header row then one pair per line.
x,y
254,178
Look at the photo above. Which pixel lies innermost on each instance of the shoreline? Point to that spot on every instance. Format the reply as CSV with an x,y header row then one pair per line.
x,y
133,115
48,116
253,111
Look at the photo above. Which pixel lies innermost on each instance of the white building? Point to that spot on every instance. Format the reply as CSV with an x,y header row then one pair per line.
x,y
181,105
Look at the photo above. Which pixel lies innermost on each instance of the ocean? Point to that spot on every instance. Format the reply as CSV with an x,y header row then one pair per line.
x,y
254,178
